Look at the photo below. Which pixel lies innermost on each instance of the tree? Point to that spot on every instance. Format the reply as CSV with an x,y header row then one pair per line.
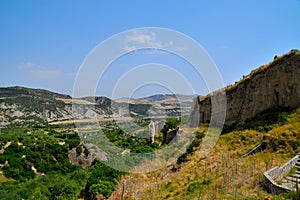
x,y
170,124
102,187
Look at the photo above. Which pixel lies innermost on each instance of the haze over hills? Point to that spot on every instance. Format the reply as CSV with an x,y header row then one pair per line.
x,y
25,105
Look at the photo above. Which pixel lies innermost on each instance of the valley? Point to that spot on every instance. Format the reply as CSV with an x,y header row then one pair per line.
x,y
53,146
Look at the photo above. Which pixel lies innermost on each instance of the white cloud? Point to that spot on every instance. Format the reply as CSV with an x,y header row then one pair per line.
x,y
141,37
144,38
129,48
149,39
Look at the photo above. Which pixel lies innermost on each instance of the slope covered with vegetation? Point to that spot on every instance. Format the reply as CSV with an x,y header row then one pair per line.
x,y
34,164
223,174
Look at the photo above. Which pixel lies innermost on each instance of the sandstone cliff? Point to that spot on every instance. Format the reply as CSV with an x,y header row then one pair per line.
x,y
275,85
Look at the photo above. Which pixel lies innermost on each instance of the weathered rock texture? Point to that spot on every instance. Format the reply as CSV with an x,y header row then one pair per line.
x,y
274,85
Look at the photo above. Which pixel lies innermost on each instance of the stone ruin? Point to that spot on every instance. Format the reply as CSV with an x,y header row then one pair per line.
x,y
157,126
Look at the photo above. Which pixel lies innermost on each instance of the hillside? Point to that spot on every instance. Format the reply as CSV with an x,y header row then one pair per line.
x,y
21,106
223,174
274,86
263,107
25,105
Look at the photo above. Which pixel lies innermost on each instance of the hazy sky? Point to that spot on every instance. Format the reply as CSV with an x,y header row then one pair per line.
x,y
43,43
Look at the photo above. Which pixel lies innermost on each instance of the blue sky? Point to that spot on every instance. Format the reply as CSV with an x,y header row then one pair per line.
x,y
43,43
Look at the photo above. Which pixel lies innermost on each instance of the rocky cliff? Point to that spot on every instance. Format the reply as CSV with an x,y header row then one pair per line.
x,y
272,86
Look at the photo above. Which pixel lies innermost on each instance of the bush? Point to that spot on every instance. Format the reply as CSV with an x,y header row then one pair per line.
x,y
102,180
265,128
102,187
2,159
170,124
282,117
155,145
79,150
199,135
195,143
182,158
194,187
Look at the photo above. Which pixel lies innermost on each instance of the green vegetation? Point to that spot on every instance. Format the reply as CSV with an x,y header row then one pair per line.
x,y
199,135
46,187
169,124
192,147
126,141
36,165
223,173
102,180
264,121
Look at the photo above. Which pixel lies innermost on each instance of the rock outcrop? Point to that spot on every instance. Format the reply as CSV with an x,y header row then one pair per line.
x,y
275,85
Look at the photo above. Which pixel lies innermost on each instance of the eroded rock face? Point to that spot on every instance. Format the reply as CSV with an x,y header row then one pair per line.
x,y
271,86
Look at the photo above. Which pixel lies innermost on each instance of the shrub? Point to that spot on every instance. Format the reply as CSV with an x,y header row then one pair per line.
x,y
2,159
102,187
170,124
182,158
154,145
199,135
194,187
79,150
195,143
282,117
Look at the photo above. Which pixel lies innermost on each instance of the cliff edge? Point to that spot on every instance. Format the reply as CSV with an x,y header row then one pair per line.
x,y
272,86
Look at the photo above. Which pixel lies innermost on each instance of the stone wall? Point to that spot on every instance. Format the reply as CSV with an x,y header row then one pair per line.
x,y
171,135
277,173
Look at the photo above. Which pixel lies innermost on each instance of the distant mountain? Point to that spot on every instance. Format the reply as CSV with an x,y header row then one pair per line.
x,y
20,105
161,97
157,97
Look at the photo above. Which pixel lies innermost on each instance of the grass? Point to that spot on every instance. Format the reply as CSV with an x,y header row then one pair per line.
x,y
4,179
223,174
253,73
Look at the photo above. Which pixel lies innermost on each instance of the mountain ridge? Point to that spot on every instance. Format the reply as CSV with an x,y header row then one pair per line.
x,y
19,105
